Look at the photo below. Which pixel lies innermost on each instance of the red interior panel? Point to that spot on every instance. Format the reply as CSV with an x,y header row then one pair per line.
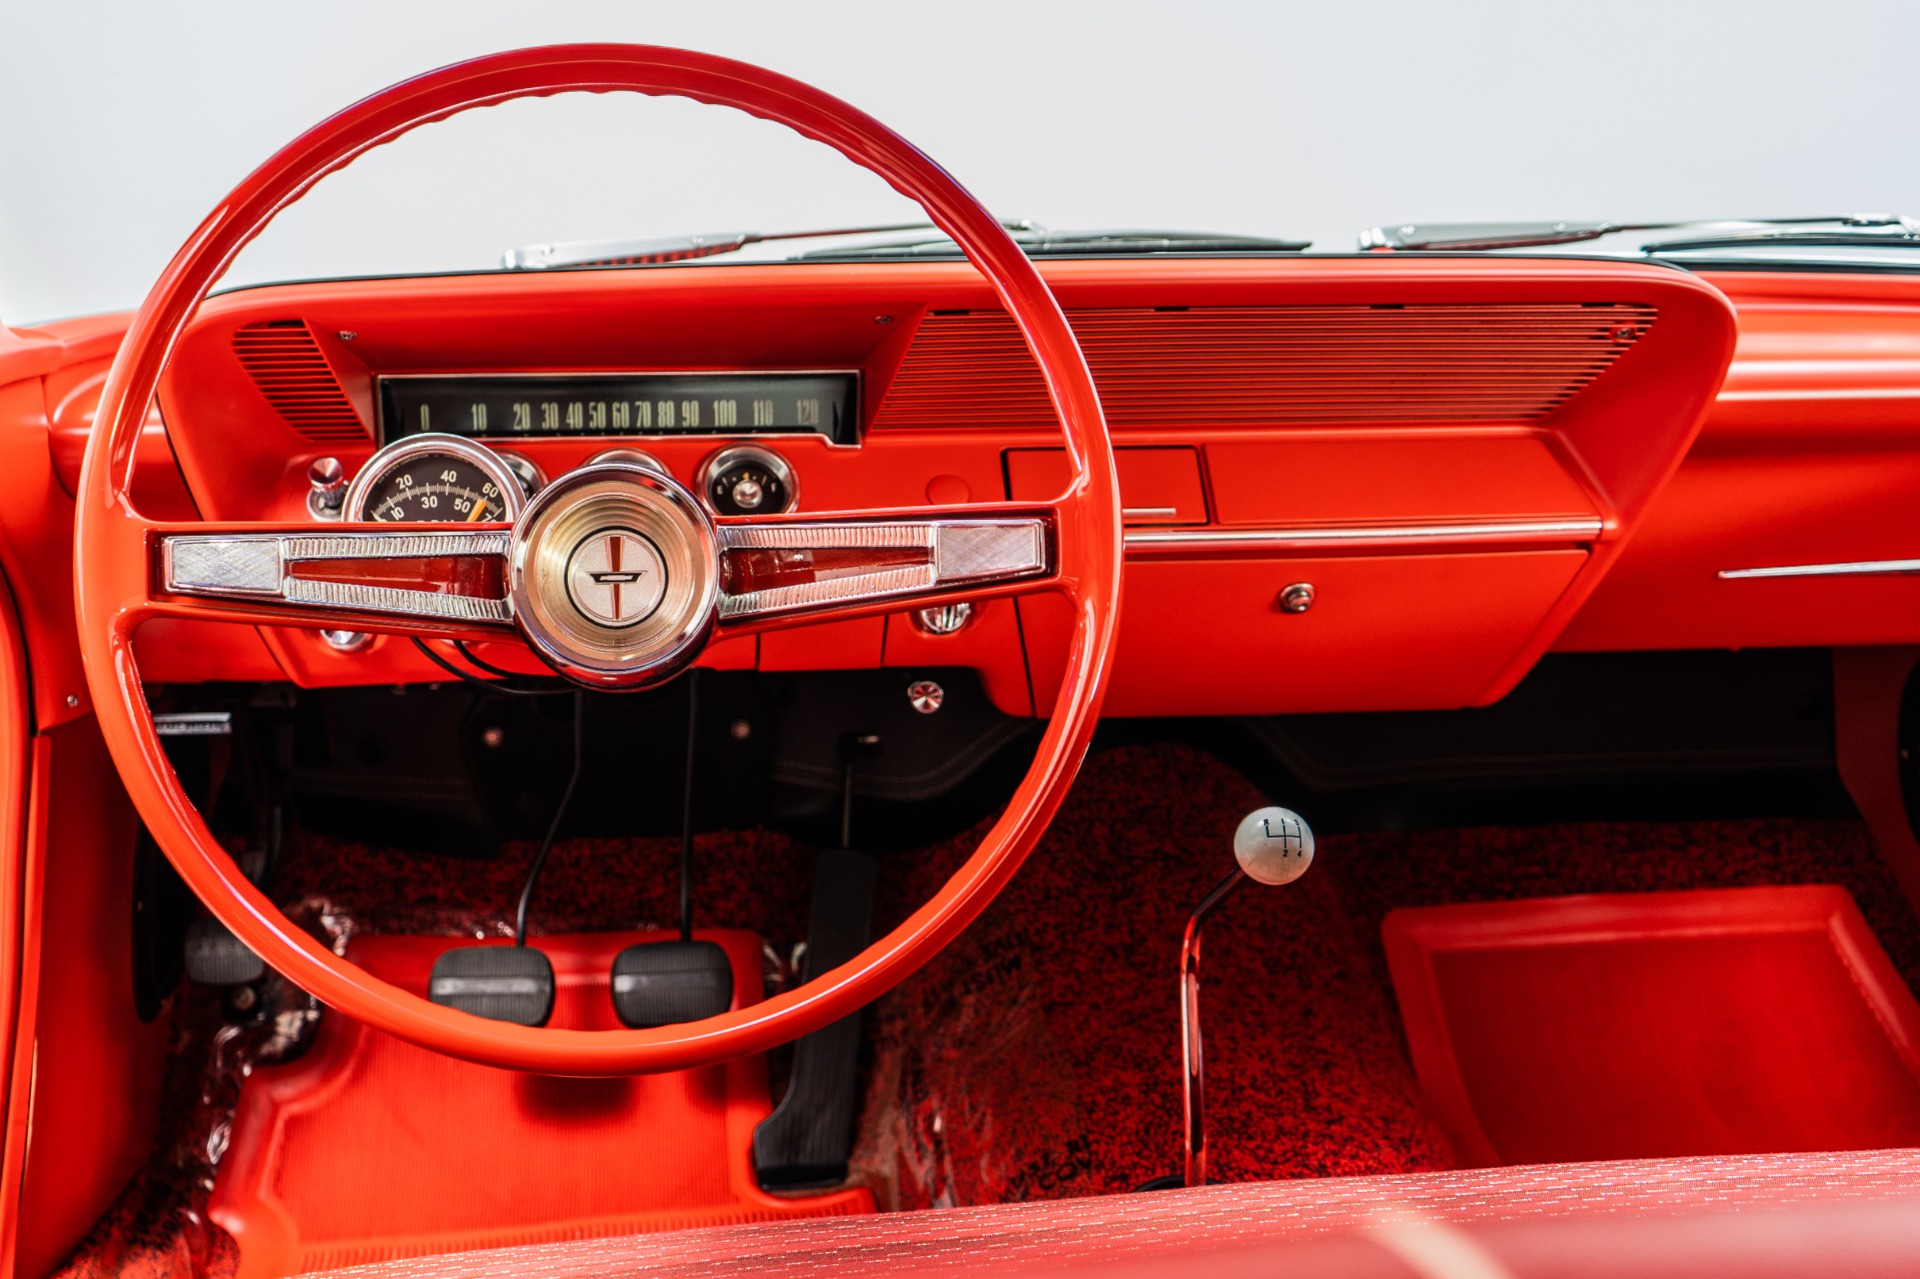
x,y
92,1067
1384,632
327,1152
1315,479
1311,391
1810,455
1157,485
1726,1021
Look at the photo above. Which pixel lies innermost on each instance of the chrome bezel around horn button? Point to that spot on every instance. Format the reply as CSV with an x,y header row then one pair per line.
x,y
630,499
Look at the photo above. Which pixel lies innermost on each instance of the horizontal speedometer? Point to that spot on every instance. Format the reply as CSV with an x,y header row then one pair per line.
x,y
496,406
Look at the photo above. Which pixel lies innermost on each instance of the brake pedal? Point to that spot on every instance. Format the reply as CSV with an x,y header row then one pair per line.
x,y
664,983
501,983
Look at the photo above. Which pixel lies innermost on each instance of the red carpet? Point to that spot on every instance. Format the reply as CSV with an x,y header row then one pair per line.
x,y
1037,1059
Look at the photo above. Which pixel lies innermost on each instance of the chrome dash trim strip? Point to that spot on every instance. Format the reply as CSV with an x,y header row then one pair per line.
x,y
1858,568
360,598
393,546
255,566
1263,539
959,552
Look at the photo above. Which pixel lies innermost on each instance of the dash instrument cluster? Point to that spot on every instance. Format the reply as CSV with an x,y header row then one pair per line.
x,y
532,406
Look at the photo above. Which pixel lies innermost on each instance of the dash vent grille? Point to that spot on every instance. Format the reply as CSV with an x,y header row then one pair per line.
x,y
1259,366
288,367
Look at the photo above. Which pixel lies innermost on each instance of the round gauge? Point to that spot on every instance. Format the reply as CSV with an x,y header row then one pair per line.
x,y
747,480
435,479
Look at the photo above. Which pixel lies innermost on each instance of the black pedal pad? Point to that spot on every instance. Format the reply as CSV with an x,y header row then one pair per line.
x,y
215,957
500,983
664,983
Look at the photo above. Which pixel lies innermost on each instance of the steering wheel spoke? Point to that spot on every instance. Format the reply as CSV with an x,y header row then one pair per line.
x,y
409,579
785,572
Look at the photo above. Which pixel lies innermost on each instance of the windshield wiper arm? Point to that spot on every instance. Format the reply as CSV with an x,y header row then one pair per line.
x,y
1471,236
1891,233
1466,236
682,248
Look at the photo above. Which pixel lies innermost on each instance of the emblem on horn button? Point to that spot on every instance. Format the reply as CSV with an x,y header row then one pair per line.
x,y
616,577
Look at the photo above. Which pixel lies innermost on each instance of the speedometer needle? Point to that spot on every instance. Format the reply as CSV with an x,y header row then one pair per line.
x,y
479,509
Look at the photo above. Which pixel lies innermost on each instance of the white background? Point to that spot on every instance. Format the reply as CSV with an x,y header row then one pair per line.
x,y
122,125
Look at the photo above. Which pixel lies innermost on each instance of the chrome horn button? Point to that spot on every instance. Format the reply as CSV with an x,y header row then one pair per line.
x,y
614,575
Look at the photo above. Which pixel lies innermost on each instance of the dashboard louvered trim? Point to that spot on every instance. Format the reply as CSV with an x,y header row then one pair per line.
x,y
1272,365
287,365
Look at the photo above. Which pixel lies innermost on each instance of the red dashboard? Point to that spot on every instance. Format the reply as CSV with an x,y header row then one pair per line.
x,y
1465,462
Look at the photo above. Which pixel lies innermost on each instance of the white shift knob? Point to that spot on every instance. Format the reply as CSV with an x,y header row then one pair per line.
x,y
1273,845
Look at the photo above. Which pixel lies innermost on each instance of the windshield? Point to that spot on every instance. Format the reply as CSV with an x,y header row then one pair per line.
x,y
1277,122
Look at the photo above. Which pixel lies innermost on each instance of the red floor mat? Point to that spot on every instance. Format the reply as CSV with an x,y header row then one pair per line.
x,y
368,1148
1722,1022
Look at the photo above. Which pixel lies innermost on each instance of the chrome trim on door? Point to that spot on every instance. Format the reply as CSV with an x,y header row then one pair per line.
x,y
1310,538
1857,568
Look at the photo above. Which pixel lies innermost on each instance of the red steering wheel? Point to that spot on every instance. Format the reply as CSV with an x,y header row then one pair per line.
x,y
129,568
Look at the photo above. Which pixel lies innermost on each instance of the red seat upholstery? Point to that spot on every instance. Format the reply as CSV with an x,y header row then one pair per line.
x,y
1854,1213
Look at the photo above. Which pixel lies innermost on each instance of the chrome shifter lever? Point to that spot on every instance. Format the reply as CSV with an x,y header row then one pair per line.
x,y
1271,846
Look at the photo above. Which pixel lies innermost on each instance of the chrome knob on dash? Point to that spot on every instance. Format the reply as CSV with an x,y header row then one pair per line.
x,y
326,488
944,619
1297,598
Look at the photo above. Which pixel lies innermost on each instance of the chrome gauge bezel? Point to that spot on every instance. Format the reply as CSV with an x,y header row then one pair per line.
x,y
532,476
723,458
430,444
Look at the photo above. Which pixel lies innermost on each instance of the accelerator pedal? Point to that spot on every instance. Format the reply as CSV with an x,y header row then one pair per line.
x,y
501,983
805,1143
664,983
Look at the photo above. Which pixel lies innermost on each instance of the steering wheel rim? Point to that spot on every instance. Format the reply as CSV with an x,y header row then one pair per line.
x,y
108,532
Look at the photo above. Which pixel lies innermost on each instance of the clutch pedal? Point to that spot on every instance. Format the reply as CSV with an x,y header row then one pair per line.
x,y
500,983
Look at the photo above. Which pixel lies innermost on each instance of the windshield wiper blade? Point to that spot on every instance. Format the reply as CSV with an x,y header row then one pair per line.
x,y
1474,236
1040,242
682,248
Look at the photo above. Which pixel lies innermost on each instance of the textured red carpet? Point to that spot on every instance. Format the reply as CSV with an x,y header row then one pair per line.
x,y
1038,1057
